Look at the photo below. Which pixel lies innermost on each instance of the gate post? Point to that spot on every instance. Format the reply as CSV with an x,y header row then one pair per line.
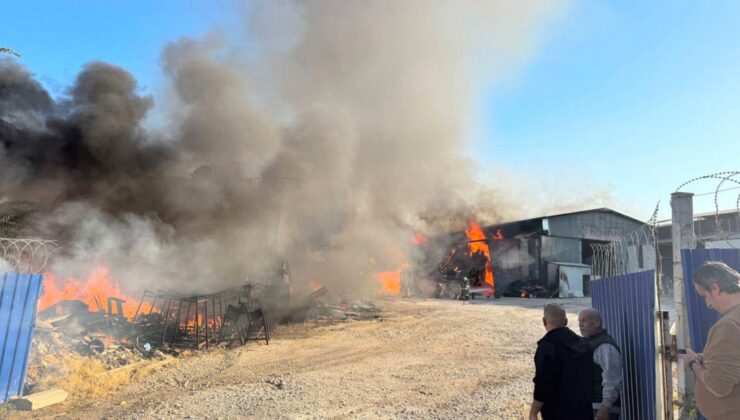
x,y
682,236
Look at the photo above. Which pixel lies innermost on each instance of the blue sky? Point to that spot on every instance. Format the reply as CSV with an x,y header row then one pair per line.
x,y
636,97
56,38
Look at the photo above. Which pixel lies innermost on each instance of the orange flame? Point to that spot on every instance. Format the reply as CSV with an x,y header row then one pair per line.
x,y
420,239
390,281
191,321
97,285
478,243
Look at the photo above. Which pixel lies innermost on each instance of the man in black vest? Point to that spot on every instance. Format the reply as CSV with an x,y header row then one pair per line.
x,y
607,366
562,381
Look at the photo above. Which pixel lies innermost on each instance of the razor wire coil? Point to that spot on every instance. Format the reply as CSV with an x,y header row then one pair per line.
x,y
27,255
720,232
635,251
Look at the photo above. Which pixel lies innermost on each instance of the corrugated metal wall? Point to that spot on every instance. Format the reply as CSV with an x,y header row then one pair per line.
x,y
561,249
19,295
700,317
599,225
627,304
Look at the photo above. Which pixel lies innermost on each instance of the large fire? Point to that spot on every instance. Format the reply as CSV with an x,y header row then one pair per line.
x,y
479,243
390,281
98,286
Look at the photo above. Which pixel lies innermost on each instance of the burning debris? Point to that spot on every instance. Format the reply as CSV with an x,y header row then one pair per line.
x,y
169,318
240,165
279,153
480,251
73,338
162,320
467,270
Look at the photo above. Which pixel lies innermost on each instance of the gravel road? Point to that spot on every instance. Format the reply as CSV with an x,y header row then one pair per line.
x,y
422,359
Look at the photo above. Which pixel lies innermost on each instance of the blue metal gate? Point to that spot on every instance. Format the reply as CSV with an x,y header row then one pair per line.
x,y
19,295
627,304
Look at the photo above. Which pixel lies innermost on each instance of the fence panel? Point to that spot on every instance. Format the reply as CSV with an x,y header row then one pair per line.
x,y
19,294
627,304
700,317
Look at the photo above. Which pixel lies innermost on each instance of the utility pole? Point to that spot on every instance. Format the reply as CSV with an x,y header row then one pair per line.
x,y
682,235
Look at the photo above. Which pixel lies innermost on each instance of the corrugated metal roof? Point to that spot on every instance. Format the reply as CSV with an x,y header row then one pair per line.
x,y
19,294
572,213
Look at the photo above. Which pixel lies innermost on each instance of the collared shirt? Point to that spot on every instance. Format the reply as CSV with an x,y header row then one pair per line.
x,y
608,358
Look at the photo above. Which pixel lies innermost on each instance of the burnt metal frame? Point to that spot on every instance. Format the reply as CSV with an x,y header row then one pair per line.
x,y
244,307
203,327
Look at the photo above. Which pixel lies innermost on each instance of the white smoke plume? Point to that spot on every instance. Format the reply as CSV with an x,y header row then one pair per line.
x,y
328,136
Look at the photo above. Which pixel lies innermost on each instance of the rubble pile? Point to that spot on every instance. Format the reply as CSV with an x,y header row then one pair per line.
x,y
59,345
78,347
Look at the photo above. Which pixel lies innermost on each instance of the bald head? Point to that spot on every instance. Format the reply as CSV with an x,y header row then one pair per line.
x,y
554,316
589,322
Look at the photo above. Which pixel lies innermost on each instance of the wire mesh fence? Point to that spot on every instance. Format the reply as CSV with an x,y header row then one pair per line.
x,y
636,251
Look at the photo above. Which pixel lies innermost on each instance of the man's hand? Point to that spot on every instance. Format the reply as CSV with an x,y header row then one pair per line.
x,y
689,356
602,414
535,409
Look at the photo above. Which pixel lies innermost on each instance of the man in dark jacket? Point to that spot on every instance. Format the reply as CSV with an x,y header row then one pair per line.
x,y
607,366
563,370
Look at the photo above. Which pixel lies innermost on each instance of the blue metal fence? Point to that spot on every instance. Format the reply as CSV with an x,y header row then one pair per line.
x,y
19,295
700,317
627,304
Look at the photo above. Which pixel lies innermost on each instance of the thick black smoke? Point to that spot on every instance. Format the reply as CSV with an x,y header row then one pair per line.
x,y
89,147
331,137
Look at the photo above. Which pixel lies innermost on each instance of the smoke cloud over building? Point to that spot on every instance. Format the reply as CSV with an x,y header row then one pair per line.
x,y
328,136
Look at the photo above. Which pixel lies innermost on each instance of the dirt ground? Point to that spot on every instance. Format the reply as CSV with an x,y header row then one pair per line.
x,y
423,359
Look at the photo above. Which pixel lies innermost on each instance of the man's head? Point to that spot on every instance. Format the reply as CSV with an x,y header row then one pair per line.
x,y
589,322
554,317
718,284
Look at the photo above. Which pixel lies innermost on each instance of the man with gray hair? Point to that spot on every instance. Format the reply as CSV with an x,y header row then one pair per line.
x,y
717,370
607,366
562,380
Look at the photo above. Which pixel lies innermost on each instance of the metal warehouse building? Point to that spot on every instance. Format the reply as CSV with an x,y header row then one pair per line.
x,y
553,251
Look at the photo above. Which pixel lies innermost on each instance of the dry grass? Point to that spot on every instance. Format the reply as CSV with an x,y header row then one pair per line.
x,y
89,377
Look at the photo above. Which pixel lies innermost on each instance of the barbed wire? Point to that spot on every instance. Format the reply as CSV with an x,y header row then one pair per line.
x,y
636,251
722,177
639,250
715,192
27,255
